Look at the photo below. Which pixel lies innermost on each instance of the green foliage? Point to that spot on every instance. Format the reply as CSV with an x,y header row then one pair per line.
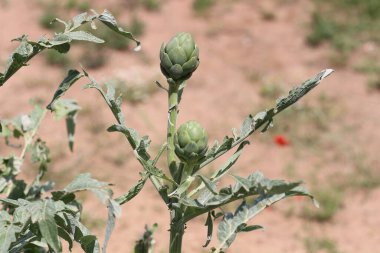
x,y
202,6
152,5
61,41
146,243
345,24
317,245
34,218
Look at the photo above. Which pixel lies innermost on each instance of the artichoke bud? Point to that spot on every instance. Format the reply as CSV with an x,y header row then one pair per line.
x,y
179,58
190,142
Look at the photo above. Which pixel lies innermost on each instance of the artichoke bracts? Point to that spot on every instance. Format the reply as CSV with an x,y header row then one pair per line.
x,y
179,58
190,142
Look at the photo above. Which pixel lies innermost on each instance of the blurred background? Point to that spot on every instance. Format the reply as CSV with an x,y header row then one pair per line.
x,y
251,52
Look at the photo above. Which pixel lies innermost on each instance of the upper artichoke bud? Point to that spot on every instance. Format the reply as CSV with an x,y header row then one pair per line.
x,y
179,58
190,142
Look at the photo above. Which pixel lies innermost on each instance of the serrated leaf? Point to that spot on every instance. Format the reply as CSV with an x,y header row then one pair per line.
x,y
139,145
84,36
263,119
72,76
18,59
114,210
242,182
11,202
182,188
210,227
256,184
246,228
60,42
230,162
90,244
66,236
209,184
80,19
133,191
109,20
224,169
8,233
70,126
68,109
84,182
233,224
48,226
298,92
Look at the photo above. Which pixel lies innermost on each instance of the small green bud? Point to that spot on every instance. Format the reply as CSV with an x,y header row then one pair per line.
x,y
190,142
179,58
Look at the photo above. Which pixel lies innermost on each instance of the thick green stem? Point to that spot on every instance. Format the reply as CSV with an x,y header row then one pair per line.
x,y
176,236
176,228
172,119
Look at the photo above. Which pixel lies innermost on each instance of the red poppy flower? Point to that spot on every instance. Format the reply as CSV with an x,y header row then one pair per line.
x,y
281,140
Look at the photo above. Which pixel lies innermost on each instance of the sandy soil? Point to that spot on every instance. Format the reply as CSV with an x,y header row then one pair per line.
x,y
235,42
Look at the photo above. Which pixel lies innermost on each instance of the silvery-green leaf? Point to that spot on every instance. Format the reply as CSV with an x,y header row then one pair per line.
x,y
263,119
72,76
61,41
84,182
109,20
133,191
48,226
210,227
114,210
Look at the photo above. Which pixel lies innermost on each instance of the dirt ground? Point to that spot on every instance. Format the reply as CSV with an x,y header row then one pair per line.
x,y
241,52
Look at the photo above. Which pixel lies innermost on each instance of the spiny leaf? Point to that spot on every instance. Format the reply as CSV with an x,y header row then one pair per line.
x,y
209,184
139,144
224,169
263,119
109,20
85,36
68,109
61,41
233,224
19,58
254,185
210,227
72,76
133,191
84,182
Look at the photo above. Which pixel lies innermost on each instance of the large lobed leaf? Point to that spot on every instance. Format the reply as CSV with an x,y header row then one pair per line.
x,y
263,119
45,221
254,185
27,49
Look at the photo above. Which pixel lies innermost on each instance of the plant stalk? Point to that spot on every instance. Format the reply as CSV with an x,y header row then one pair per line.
x,y
172,120
176,235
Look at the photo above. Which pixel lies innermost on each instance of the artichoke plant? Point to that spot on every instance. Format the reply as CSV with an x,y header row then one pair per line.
x,y
190,142
179,58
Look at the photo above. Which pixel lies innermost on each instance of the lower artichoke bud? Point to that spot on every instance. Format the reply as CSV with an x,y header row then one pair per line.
x,y
190,142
